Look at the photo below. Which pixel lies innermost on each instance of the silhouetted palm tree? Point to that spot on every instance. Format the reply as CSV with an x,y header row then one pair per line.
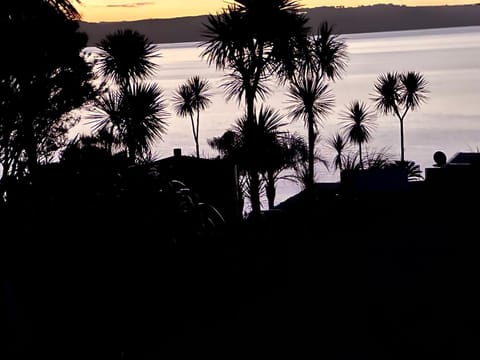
x,y
135,117
310,100
324,59
126,55
358,125
263,146
189,100
134,113
326,55
257,139
397,94
339,144
286,151
256,39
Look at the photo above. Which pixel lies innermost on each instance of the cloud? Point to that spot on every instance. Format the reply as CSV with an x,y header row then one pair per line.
x,y
130,5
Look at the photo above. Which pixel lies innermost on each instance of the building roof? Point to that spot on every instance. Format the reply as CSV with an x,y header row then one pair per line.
x,y
465,158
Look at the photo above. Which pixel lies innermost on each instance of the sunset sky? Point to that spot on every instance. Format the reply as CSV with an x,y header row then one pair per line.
x,y
118,10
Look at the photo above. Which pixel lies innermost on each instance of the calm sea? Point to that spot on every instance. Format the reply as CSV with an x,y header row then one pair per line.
x,y
449,121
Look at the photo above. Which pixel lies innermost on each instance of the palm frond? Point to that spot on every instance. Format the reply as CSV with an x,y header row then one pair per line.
x,y
125,55
414,89
145,115
200,89
358,122
329,53
235,85
387,92
106,110
414,173
66,7
351,162
225,38
339,144
310,97
378,159
183,101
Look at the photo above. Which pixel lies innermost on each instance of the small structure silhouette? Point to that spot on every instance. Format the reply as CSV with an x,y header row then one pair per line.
x,y
459,176
440,158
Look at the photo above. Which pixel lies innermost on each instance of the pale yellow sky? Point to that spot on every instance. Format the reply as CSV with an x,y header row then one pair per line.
x,y
118,10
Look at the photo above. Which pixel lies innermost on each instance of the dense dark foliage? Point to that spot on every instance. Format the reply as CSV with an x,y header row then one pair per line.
x,y
43,76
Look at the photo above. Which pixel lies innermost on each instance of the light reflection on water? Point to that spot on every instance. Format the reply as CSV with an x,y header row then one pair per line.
x,y
449,121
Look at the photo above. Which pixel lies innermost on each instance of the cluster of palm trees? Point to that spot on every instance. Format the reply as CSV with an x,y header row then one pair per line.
x,y
129,111
253,51
264,145
394,93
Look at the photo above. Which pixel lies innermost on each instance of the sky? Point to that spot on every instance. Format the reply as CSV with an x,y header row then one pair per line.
x,y
120,10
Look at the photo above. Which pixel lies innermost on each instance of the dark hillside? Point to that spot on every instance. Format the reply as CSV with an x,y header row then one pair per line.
x,y
346,20
392,17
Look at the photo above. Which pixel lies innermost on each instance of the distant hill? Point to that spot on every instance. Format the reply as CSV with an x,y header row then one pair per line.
x,y
361,19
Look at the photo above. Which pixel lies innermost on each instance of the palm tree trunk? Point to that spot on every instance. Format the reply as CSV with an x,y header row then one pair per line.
x,y
254,190
271,192
196,133
311,153
250,100
253,172
360,154
402,148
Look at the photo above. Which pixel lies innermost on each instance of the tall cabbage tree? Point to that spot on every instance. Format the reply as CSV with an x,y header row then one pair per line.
x,y
310,99
323,60
189,99
358,125
397,94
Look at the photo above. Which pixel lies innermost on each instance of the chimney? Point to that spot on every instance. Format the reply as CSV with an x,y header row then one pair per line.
x,y
177,152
